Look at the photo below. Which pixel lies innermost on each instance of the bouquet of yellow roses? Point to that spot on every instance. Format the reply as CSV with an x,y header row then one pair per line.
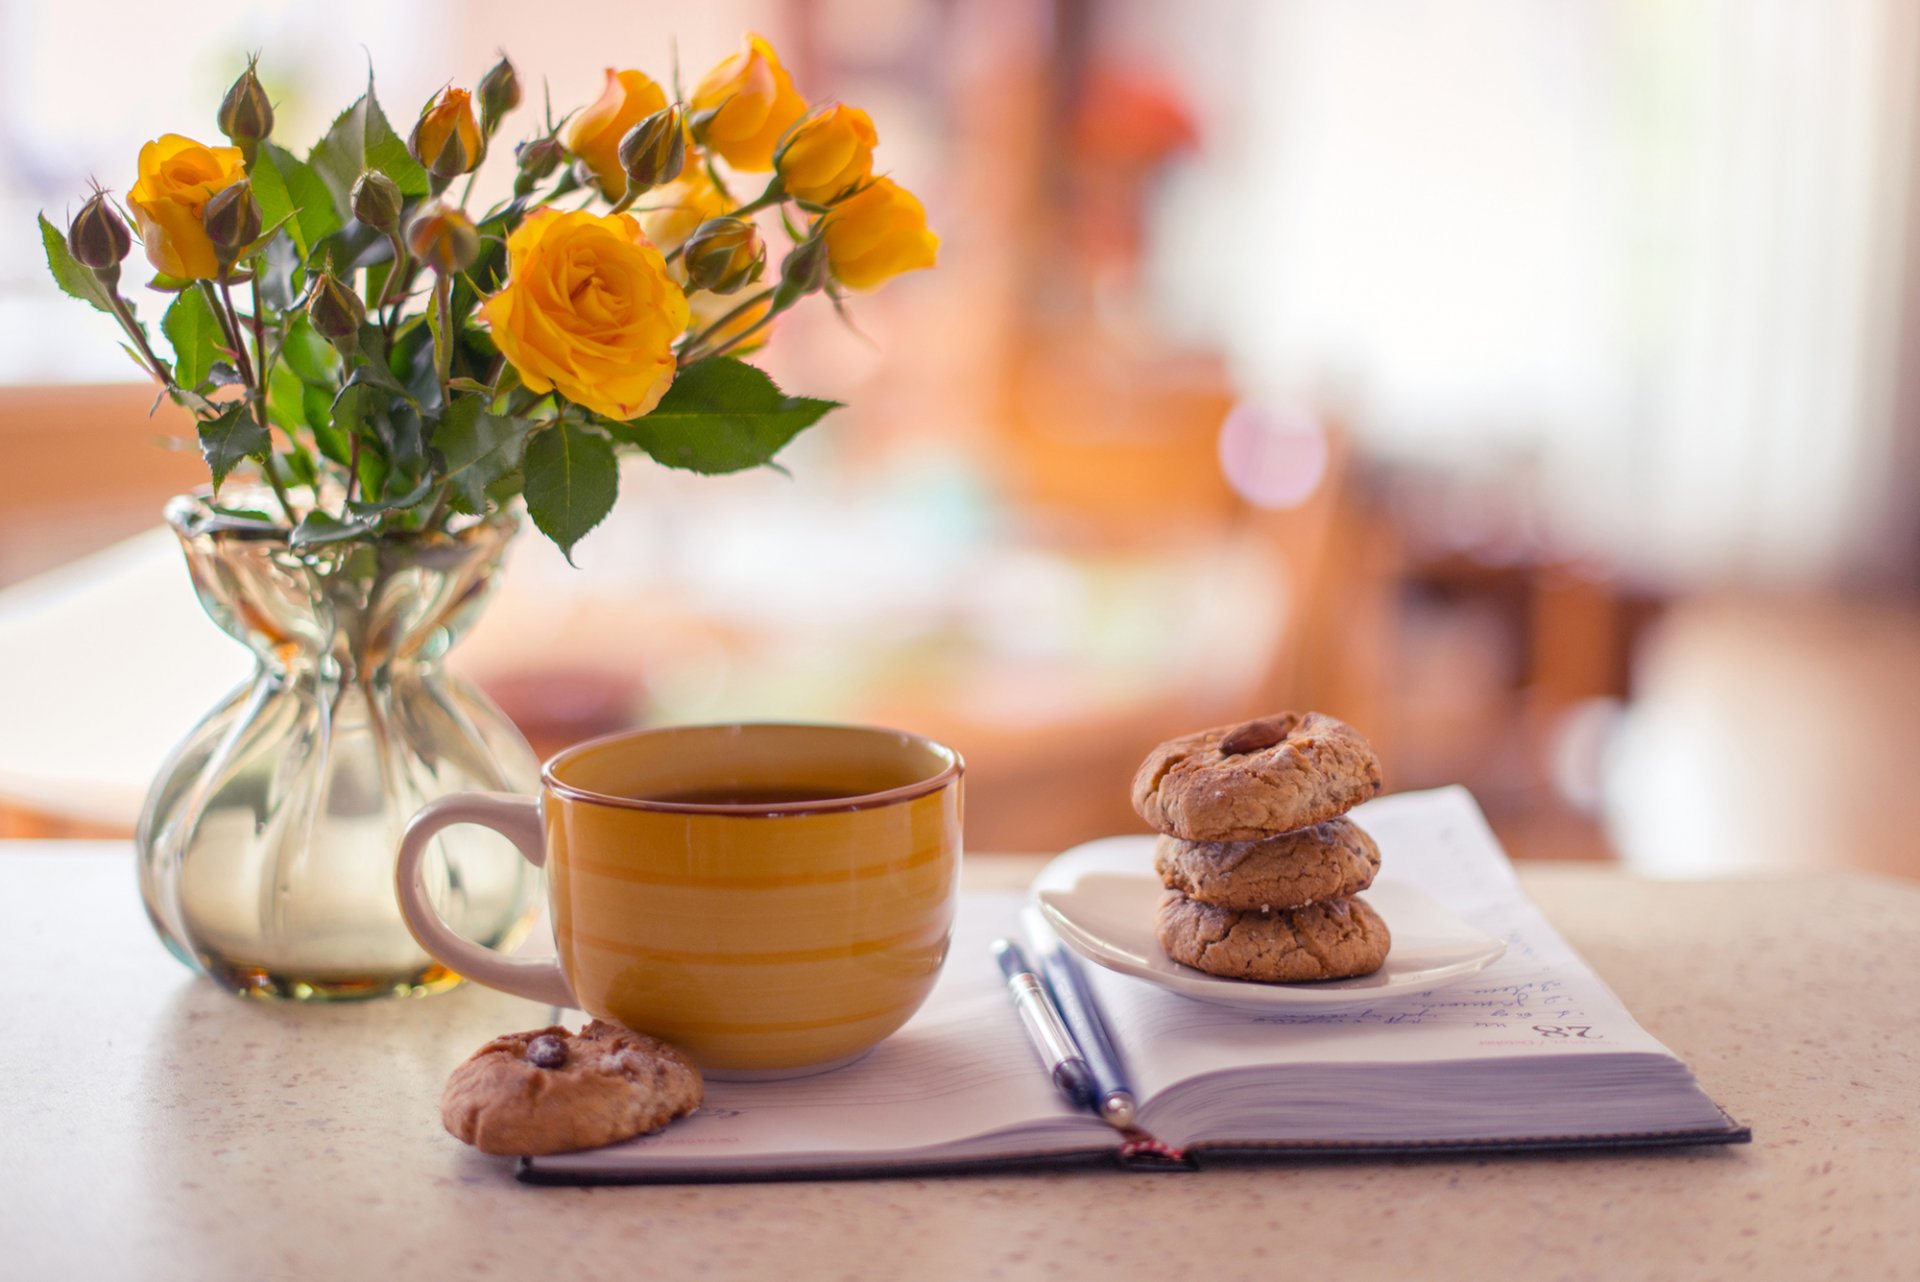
x,y
387,362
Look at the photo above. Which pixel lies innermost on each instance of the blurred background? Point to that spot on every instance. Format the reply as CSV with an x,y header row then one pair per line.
x,y
1530,384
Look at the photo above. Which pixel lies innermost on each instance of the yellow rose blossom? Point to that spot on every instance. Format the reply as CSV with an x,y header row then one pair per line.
x,y
673,211
178,176
588,310
828,155
876,234
754,103
594,135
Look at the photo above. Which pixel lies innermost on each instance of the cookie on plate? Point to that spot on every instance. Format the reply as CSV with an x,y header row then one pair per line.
x,y
1338,939
1256,778
551,1091
1329,860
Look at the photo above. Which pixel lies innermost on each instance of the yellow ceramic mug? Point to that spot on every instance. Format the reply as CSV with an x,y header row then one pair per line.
x,y
772,898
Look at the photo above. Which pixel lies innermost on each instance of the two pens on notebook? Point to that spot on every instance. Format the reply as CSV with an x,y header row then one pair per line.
x,y
1064,1025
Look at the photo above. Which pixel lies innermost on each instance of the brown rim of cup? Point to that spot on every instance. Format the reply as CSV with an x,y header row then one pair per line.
x,y
756,809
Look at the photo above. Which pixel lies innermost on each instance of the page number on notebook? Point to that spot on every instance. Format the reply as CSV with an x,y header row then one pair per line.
x,y
1582,1031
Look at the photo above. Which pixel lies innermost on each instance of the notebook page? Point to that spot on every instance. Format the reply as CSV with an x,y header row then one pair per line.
x,y
1539,1000
960,1073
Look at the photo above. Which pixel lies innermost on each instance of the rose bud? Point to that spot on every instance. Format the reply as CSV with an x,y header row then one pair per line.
x,y
336,312
377,200
99,239
443,238
246,116
446,139
232,221
803,272
655,150
724,255
499,93
537,160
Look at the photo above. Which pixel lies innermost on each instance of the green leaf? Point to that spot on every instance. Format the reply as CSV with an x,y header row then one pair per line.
x,y
230,439
312,357
287,188
281,279
69,273
197,336
721,415
478,449
296,467
318,527
393,502
359,140
572,479
287,399
403,441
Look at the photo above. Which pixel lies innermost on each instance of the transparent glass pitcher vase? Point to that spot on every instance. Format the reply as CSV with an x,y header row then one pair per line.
x,y
267,843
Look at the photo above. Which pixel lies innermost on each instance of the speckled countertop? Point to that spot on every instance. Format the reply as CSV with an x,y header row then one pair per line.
x,y
154,1127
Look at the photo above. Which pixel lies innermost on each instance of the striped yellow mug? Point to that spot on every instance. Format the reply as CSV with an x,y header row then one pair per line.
x,y
774,899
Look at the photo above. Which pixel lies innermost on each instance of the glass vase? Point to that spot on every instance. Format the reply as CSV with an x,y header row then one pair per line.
x,y
267,843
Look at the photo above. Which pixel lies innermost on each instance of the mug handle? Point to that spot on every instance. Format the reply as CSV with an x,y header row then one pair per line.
x,y
518,820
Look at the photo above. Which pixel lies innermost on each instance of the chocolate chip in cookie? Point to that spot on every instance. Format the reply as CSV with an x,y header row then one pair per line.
x,y
547,1051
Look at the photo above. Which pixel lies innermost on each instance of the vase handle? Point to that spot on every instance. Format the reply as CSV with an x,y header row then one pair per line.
x,y
518,820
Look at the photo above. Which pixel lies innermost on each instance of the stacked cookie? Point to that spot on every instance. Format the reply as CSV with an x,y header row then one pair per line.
x,y
1260,864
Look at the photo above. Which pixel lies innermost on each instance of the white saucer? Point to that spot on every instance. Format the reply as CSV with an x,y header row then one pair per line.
x,y
1100,899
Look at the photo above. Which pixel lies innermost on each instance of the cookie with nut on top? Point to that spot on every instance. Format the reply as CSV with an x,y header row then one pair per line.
x,y
551,1091
1254,778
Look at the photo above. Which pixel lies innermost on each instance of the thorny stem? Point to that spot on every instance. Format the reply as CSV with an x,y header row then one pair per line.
x,y
223,312
443,339
743,335
259,338
386,289
688,352
255,381
124,315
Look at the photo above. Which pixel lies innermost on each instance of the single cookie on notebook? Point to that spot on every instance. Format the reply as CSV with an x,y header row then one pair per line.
x,y
1338,939
1329,860
1250,780
551,1091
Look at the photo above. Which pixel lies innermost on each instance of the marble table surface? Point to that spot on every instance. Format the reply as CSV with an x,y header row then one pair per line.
x,y
157,1128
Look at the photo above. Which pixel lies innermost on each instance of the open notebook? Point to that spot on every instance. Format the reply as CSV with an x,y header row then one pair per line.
x,y
1533,1052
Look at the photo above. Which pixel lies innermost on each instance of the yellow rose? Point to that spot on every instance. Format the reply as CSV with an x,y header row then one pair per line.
x,y
589,310
828,155
594,135
754,103
673,211
876,234
178,176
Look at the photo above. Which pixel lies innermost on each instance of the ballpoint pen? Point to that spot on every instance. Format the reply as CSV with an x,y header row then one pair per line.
x,y
1050,1038
1113,1097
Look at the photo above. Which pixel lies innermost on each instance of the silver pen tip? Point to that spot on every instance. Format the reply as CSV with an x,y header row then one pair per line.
x,y
1117,1109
